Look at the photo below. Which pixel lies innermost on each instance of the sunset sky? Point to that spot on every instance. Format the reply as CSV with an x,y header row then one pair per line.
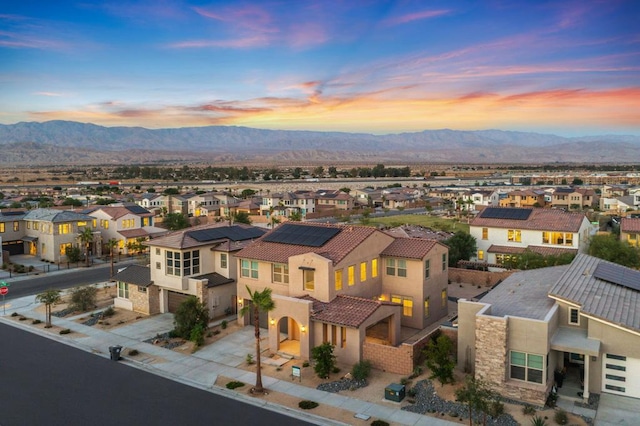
x,y
566,67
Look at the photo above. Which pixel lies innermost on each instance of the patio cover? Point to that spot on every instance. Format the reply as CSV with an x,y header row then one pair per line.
x,y
574,340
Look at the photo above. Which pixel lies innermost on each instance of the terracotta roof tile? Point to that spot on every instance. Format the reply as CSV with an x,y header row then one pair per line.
x,y
344,310
411,248
630,224
539,220
545,251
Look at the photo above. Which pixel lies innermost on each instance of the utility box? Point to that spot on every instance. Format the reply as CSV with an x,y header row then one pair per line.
x,y
394,392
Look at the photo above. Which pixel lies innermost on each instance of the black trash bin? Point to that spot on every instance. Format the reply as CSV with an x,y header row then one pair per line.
x,y
115,352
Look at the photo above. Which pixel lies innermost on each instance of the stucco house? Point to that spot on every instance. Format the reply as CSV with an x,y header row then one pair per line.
x,y
12,232
630,231
502,233
577,321
346,285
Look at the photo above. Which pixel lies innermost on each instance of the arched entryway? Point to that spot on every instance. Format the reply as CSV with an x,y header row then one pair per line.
x,y
288,335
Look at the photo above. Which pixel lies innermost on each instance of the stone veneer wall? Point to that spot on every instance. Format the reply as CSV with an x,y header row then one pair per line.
x,y
525,392
394,359
144,302
481,278
491,349
202,292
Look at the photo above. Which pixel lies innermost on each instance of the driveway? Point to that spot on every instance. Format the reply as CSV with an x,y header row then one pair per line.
x,y
617,410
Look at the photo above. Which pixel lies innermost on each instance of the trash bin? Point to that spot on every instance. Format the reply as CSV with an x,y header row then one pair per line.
x,y
394,392
115,352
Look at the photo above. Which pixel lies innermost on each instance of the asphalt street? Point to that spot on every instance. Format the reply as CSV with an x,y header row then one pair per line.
x,y
43,382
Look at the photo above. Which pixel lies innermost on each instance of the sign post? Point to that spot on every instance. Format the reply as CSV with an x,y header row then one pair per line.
x,y
295,372
4,289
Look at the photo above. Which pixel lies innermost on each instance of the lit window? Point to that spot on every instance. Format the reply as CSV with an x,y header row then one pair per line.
x,y
480,254
16,226
249,268
64,228
64,247
427,267
427,312
309,280
281,273
2,227
406,302
443,297
374,268
351,275
145,221
527,367
514,235
363,271
82,223
485,233
338,279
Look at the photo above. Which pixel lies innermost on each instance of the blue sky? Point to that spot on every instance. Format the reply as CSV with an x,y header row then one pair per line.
x,y
564,67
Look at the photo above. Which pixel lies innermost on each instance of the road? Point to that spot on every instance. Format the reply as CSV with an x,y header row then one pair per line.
x,y
44,382
60,280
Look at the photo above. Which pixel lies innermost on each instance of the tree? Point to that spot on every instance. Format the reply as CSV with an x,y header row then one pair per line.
x,y
175,221
461,247
171,191
83,298
190,314
73,254
295,216
325,360
439,359
49,298
609,247
261,301
86,238
477,395
111,244
71,202
242,217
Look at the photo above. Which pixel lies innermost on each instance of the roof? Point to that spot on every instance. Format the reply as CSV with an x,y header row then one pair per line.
x,y
186,238
539,220
417,231
215,279
543,250
11,215
136,275
524,294
56,216
349,311
336,249
147,231
601,299
630,224
410,248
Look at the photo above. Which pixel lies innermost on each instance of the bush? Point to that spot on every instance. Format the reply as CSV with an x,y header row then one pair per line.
x,y
249,359
561,417
65,331
197,335
190,313
307,405
335,370
109,312
234,385
379,423
496,409
528,410
15,314
36,321
324,359
361,370
22,318
223,324
538,421
83,298
133,352
305,364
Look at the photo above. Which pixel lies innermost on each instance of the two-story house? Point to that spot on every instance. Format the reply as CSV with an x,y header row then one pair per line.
x,y
524,198
343,284
12,232
573,198
327,199
502,233
630,231
573,326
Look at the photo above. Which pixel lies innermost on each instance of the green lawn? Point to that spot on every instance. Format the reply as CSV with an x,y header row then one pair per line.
x,y
434,222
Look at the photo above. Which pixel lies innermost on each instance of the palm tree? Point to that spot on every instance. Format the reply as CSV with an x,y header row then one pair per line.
x,y
86,238
111,244
49,297
261,301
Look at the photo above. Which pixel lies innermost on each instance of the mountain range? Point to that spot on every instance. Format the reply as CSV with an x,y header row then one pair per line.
x,y
68,142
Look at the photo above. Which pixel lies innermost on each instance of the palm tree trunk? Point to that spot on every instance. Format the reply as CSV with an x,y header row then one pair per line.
x,y
47,314
111,255
256,320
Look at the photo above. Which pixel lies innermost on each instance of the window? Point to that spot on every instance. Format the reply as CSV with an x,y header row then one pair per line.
x,y
397,267
514,235
343,337
351,275
64,228
527,367
104,223
406,302
558,238
249,268
338,278
2,227
123,290
157,251
374,268
82,223
94,223
480,254
128,223
363,271
142,289
63,248
444,261
145,221
28,225
443,297
506,259
309,280
36,225
158,265
485,233
574,316
427,312
427,267
16,226
223,260
191,263
391,266
173,262
281,273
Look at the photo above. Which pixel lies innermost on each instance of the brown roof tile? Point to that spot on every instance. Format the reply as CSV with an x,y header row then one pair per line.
x,y
630,224
539,220
545,251
344,310
411,248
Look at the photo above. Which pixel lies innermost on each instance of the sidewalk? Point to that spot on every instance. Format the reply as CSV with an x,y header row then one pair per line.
x,y
199,369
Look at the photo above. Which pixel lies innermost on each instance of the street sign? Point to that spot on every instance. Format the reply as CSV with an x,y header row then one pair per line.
x,y
4,284
4,290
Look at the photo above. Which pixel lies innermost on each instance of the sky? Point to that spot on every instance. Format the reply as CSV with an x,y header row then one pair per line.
x,y
565,67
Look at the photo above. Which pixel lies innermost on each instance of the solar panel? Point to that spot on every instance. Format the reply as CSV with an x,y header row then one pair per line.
x,y
506,213
14,213
234,233
303,235
137,209
619,275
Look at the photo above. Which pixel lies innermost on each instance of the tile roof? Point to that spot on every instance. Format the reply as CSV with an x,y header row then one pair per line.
x,y
539,220
411,248
147,231
56,216
136,275
215,279
349,311
598,298
182,240
543,250
417,231
630,224
335,249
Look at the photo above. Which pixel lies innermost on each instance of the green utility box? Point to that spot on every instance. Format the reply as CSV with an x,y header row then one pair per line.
x,y
394,392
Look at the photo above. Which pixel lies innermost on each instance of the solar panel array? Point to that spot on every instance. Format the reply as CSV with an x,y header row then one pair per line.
x,y
303,235
234,233
137,209
619,275
14,213
505,213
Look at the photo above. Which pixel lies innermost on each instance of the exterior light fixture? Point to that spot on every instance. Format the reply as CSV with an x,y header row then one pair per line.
x,y
303,328
272,321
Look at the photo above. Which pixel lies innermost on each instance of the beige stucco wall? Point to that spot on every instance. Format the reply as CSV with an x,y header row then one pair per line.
x,y
224,296
467,312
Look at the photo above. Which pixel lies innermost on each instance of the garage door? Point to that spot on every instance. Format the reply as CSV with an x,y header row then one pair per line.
x,y
621,375
175,299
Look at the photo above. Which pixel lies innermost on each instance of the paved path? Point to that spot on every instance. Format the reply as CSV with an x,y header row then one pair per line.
x,y
202,368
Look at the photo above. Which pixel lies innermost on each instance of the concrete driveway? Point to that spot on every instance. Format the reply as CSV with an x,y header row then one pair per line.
x,y
617,410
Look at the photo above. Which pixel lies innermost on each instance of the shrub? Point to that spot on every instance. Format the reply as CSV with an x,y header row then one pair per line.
x,y
234,385
361,370
496,408
223,324
197,335
379,423
36,321
65,331
561,417
249,359
15,314
439,360
528,410
411,393
307,405
133,352
83,298
538,421
335,370
22,318
216,332
190,313
324,359
305,364
109,312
